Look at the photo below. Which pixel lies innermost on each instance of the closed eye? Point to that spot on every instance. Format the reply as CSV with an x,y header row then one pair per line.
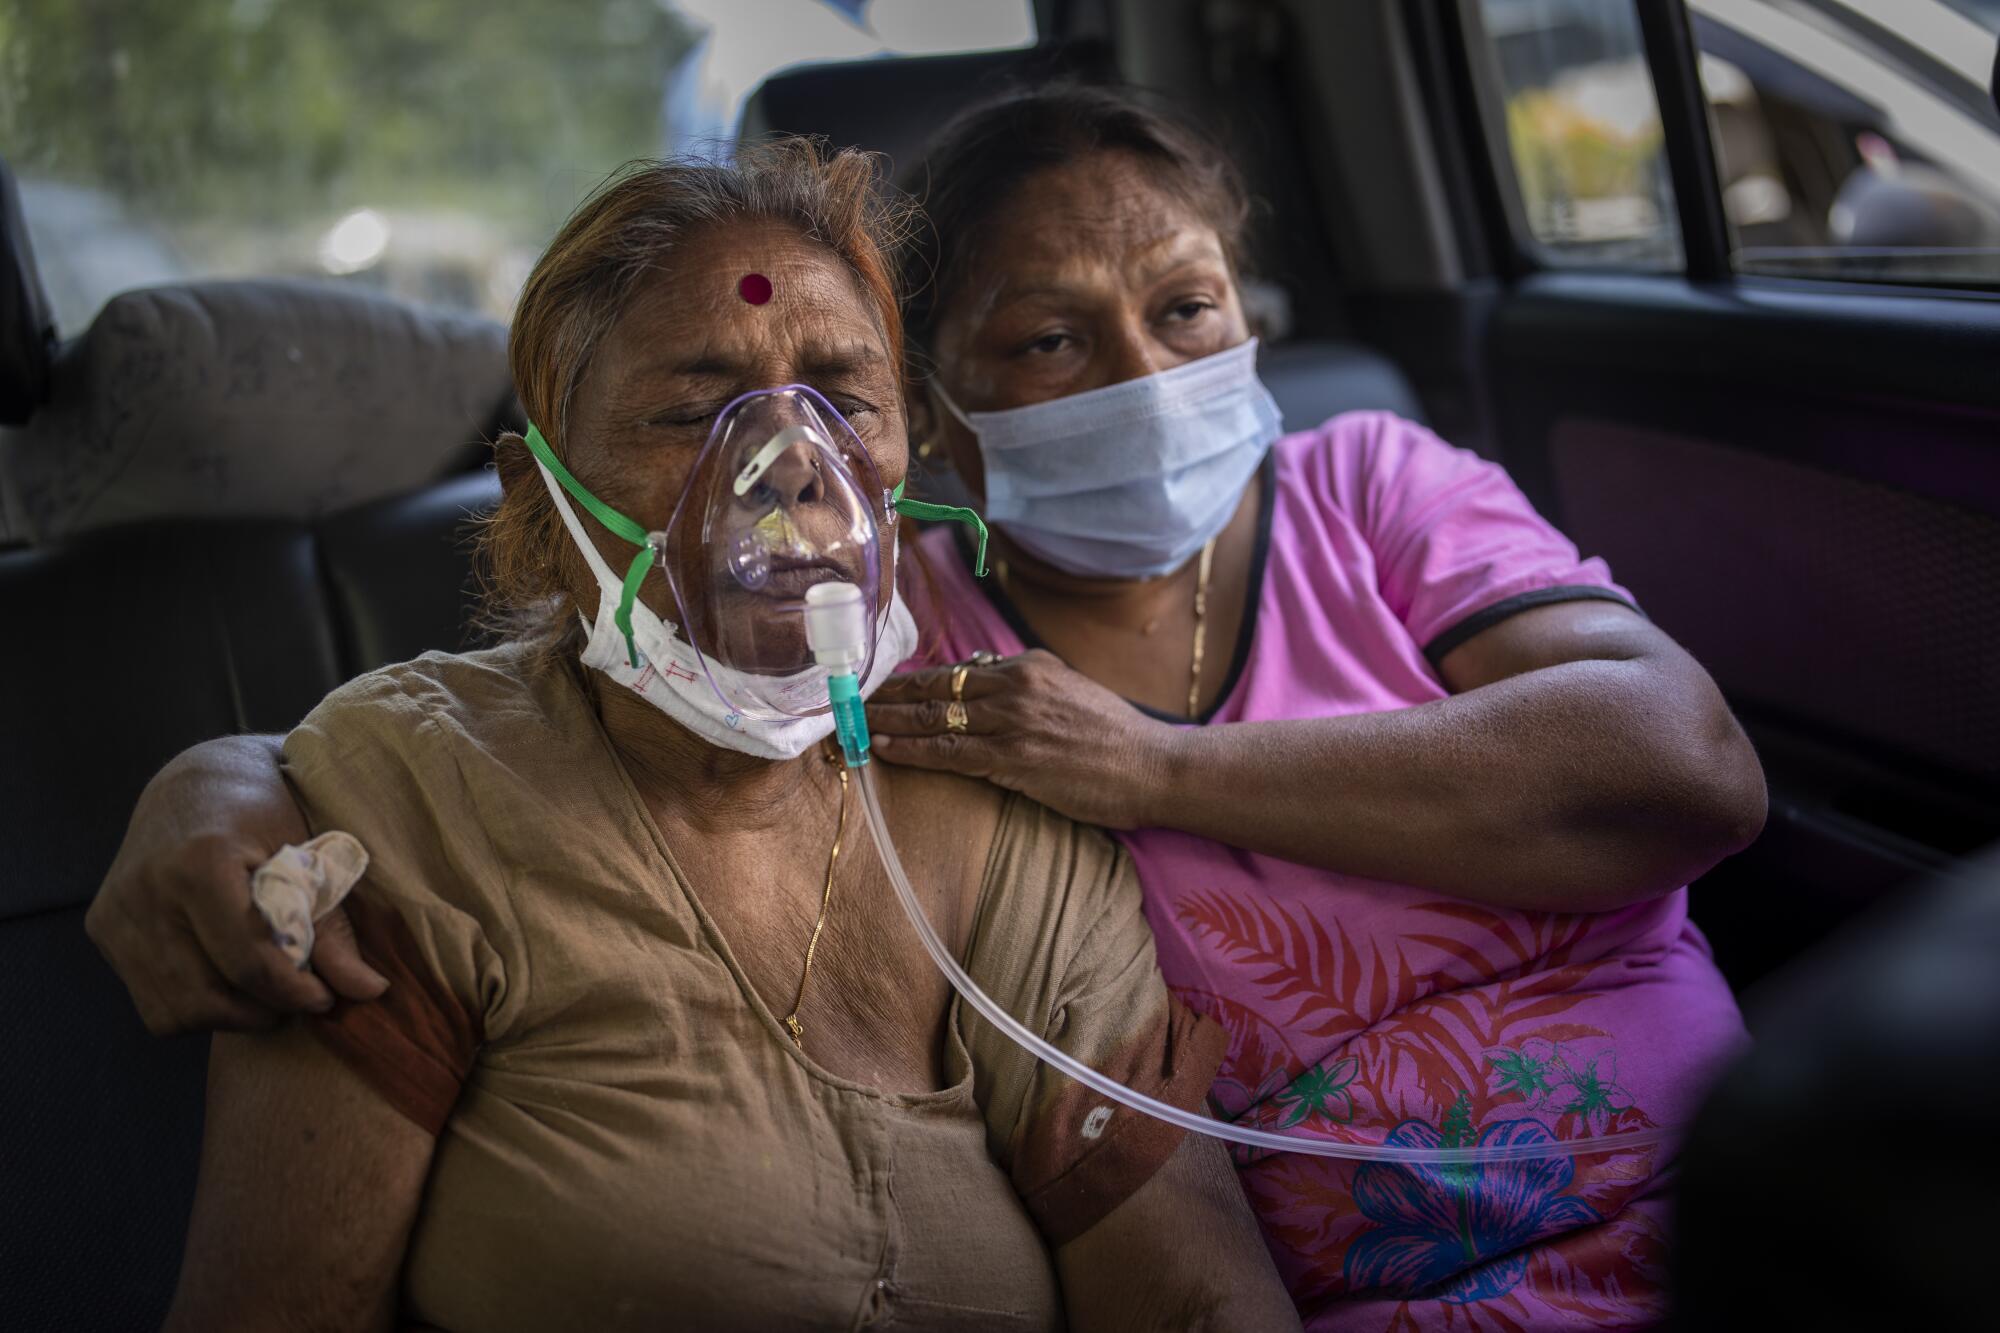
x,y
849,406
682,417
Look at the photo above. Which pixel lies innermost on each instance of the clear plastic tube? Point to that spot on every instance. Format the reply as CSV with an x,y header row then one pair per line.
x,y
885,846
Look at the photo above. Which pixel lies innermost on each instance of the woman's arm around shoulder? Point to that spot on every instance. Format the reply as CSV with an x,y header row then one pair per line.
x,y
173,917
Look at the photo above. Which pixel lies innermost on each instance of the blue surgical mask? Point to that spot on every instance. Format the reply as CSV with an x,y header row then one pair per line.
x,y
1131,480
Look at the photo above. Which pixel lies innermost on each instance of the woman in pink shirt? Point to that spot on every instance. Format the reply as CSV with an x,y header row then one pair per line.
x,y
1411,786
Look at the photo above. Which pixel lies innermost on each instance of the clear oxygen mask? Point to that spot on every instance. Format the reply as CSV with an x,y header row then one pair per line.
x,y
783,500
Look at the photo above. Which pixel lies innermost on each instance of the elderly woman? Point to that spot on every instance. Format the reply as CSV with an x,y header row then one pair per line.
x,y
1411,787
576,1105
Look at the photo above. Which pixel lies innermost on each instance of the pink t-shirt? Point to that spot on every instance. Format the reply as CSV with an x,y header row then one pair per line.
x,y
1377,1011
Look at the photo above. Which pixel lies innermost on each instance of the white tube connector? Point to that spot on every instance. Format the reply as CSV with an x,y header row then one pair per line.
x,y
837,626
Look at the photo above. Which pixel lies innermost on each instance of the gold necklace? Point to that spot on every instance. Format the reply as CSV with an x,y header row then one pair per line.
x,y
793,1027
1200,623
1202,572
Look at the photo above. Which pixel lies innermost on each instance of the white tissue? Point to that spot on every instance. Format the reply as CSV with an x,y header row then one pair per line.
x,y
301,884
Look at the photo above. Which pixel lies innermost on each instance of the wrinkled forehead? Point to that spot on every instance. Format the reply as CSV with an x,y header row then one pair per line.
x,y
1104,217
1106,201
757,291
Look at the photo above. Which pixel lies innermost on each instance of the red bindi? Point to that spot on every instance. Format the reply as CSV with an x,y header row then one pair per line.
x,y
755,288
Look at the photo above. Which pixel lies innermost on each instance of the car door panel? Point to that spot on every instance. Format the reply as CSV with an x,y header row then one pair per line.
x,y
1803,487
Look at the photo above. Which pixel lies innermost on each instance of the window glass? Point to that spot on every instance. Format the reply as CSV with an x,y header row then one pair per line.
x,y
428,148
1856,138
1583,131
1985,12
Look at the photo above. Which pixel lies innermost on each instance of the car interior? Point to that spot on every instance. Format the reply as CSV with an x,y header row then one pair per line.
x,y
224,497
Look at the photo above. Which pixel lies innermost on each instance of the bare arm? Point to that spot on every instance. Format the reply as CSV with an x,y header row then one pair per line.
x,y
309,1187
1182,1253
1583,762
174,919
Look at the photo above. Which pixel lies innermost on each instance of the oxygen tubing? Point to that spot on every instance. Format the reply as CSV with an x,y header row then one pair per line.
x,y
836,625
990,1009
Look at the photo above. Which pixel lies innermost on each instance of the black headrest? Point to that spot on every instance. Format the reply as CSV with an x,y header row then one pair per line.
x,y
1794,1179
269,398
892,106
27,324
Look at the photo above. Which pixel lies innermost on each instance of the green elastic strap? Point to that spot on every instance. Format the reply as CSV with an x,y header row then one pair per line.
x,y
930,513
620,526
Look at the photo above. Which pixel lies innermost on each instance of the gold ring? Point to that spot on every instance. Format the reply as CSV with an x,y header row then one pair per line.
x,y
955,718
958,675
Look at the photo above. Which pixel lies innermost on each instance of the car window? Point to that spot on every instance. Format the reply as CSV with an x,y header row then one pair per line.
x,y
428,149
1856,138
1583,148
1984,12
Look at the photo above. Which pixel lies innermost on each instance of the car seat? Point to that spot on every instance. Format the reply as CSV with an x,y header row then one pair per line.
x,y
1836,1178
149,607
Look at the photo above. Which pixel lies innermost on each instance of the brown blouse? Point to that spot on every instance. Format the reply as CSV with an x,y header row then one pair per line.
x,y
626,1139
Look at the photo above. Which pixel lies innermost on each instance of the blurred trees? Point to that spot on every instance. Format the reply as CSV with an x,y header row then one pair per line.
x,y
1564,157
267,110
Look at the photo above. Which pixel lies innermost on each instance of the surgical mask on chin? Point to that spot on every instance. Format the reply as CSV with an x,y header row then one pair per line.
x,y
670,676
750,533
1131,480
